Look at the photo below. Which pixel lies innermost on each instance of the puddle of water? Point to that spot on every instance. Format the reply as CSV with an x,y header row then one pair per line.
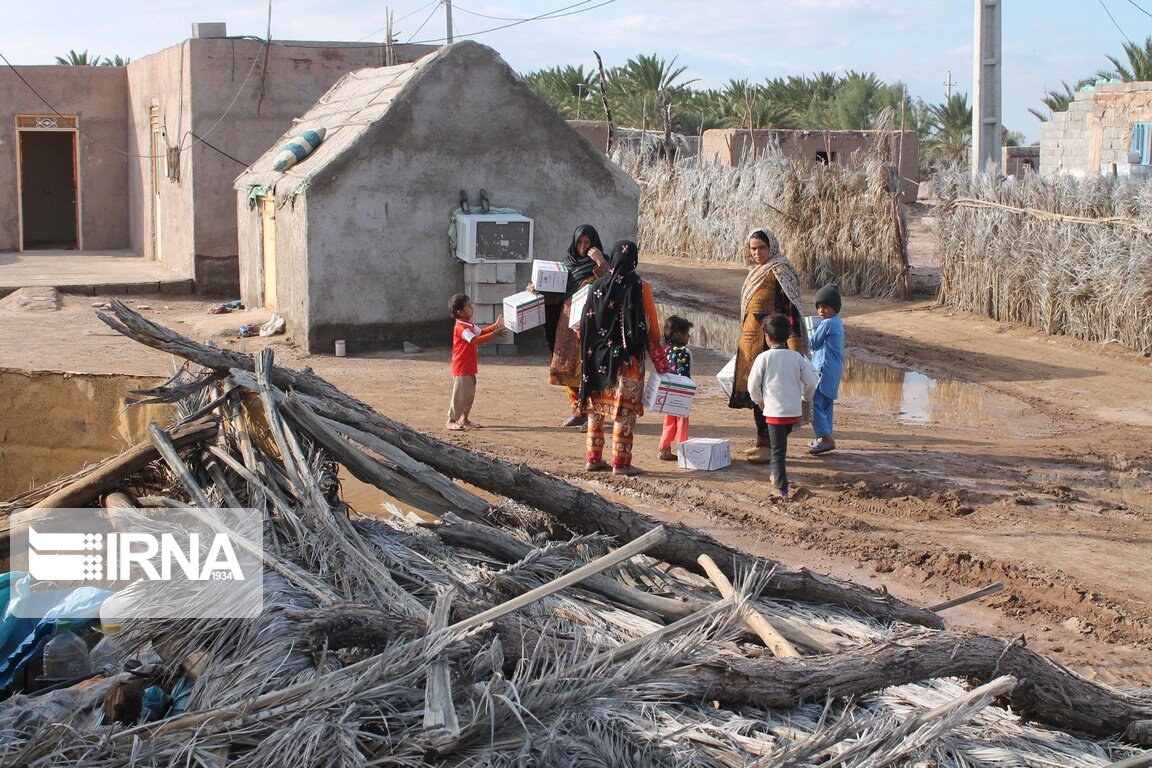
x,y
909,396
55,423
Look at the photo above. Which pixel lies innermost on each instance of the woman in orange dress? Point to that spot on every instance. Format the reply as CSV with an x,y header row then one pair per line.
x,y
618,330
771,287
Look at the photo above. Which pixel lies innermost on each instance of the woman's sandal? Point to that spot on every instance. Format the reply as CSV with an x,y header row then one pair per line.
x,y
597,466
628,471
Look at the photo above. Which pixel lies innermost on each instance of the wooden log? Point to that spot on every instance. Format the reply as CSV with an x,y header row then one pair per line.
x,y
362,466
580,510
991,589
107,475
497,543
600,564
773,641
1047,692
441,726
1143,760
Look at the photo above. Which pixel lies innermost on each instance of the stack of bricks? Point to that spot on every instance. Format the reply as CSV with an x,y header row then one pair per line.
x,y
488,285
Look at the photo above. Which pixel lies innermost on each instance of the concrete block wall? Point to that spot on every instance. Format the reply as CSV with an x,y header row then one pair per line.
x,y
488,285
1096,131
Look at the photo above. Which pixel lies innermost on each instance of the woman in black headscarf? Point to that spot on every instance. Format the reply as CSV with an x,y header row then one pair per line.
x,y
619,328
585,262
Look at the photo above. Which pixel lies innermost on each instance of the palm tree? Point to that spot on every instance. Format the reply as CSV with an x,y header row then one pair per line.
x,y
82,59
569,90
115,61
1056,101
953,129
1139,65
645,83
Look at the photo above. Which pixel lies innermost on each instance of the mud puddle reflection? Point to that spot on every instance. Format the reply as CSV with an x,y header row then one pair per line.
x,y
911,397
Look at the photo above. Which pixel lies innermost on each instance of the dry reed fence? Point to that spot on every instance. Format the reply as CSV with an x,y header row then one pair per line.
x,y
838,223
1067,256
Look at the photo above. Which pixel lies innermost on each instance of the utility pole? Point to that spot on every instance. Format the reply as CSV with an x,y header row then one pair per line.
x,y
948,85
448,18
986,86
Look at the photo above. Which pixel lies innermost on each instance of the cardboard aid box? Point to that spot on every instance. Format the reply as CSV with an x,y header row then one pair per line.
x,y
706,453
726,377
549,276
576,309
523,310
669,393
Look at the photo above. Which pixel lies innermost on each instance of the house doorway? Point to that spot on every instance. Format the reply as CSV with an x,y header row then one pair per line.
x,y
49,186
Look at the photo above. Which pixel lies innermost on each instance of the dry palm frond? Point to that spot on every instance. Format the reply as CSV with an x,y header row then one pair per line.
x,y
836,223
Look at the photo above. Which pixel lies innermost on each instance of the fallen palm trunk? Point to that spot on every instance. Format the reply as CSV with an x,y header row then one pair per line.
x,y
580,510
1047,692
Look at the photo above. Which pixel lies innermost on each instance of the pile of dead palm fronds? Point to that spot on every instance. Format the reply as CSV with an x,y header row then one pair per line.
x,y
837,223
1065,255
553,627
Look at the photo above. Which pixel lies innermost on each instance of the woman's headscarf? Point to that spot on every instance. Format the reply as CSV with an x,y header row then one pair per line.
x,y
786,276
614,327
581,267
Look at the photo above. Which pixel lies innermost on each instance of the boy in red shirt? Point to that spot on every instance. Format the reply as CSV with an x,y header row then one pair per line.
x,y
466,337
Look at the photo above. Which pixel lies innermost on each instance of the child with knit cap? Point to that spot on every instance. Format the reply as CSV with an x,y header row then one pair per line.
x,y
827,344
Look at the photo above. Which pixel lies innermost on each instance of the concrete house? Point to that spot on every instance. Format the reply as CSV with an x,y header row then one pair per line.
x,y
141,159
1098,132
352,242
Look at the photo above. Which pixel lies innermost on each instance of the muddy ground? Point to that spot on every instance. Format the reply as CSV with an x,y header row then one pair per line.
x,y
1013,456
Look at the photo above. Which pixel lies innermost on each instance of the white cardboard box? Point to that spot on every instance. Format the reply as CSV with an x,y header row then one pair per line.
x,y
706,453
726,378
523,310
669,393
549,276
576,309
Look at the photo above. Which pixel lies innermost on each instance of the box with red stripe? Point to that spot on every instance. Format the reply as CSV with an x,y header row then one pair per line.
x,y
669,393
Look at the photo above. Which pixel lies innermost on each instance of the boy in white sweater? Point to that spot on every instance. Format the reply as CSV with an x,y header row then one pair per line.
x,y
779,382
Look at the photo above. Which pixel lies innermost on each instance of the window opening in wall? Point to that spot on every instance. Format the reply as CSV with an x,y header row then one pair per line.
x,y
48,182
1142,142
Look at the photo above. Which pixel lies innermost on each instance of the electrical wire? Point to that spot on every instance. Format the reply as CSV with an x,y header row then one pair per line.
x,y
117,150
1114,20
456,6
432,41
426,20
217,149
375,32
1137,7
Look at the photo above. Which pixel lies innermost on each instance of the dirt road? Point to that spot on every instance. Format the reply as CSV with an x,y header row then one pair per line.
x,y
1005,455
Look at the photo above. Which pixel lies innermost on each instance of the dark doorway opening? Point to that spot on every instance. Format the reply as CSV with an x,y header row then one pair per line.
x,y
48,189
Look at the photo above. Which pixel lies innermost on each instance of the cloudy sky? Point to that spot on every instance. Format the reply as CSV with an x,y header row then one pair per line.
x,y
916,41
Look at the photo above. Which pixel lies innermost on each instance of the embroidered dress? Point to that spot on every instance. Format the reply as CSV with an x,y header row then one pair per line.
x,y
619,329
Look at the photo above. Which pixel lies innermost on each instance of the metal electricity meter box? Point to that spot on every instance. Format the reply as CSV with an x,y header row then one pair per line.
x,y
489,238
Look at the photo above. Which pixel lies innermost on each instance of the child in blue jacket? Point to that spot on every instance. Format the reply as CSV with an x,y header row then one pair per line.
x,y
827,344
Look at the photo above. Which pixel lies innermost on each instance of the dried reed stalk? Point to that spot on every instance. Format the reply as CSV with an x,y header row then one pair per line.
x,y
1066,256
838,222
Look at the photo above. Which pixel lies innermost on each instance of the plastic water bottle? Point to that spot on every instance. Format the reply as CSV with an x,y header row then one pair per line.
x,y
65,655
108,654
